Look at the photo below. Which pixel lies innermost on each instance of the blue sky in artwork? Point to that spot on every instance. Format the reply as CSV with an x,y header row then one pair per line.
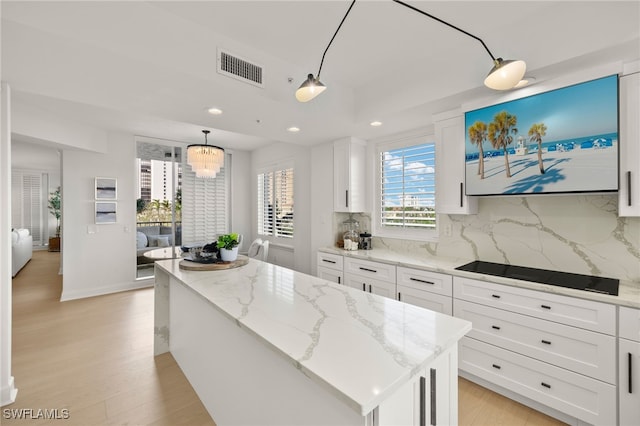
x,y
585,109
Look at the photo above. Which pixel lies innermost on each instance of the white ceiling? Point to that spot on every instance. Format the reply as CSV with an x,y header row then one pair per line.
x,y
150,67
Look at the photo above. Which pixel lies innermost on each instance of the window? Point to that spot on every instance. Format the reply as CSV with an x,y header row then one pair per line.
x,y
405,206
275,203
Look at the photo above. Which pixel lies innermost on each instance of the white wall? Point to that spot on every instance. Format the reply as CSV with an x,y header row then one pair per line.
x,y
7,387
321,188
241,205
98,259
299,257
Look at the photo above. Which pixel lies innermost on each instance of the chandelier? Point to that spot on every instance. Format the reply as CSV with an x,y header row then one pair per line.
x,y
205,160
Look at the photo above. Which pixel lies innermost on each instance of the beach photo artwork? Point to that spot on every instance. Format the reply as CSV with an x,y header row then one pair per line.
x,y
561,141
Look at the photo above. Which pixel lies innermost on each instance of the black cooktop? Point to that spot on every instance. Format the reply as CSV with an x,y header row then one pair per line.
x,y
544,276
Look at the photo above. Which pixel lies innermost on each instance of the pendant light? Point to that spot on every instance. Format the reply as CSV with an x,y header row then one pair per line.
x,y
205,160
504,75
312,86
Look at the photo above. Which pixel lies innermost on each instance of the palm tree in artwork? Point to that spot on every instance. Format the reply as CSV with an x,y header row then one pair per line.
x,y
477,135
500,134
536,132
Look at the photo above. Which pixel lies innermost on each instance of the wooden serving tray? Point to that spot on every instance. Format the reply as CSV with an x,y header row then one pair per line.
x,y
188,265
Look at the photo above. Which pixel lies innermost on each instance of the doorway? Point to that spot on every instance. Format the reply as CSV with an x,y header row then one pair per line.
x,y
158,204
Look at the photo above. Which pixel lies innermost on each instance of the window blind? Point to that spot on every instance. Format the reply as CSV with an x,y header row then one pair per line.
x,y
275,203
205,206
407,182
28,201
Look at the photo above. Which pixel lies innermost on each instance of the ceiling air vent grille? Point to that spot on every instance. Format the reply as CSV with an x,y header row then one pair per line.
x,y
240,69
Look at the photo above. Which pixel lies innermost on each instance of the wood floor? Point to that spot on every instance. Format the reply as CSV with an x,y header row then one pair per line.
x,y
94,358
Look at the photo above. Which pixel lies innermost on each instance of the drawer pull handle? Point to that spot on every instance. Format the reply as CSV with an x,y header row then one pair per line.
x,y
328,261
545,307
630,355
496,296
495,327
496,366
364,288
434,390
422,281
368,270
546,342
339,280
399,296
546,385
423,401
629,188
370,289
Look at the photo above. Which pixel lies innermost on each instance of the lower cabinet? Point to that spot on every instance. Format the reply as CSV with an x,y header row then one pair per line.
x,y
330,274
629,382
430,290
371,285
431,399
582,397
629,366
558,351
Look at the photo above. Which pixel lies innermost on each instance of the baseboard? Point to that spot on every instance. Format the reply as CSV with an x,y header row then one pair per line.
x,y
101,291
8,393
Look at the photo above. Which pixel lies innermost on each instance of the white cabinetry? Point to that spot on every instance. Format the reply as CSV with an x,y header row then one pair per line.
x,y
450,164
629,366
373,277
349,160
429,290
329,267
629,146
556,350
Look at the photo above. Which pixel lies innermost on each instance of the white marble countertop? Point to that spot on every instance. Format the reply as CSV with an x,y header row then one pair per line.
x,y
628,293
357,345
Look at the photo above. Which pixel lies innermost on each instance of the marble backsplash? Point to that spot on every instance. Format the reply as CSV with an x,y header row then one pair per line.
x,y
572,233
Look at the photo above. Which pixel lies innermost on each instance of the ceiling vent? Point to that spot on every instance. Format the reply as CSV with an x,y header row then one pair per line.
x,y
238,68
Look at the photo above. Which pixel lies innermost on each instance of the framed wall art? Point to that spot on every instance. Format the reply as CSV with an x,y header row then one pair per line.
x,y
106,212
106,188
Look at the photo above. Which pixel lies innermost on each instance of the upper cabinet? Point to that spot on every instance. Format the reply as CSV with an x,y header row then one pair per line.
x,y
450,193
349,159
629,146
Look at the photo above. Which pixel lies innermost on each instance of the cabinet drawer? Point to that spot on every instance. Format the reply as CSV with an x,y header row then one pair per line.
x,y
630,323
330,274
579,396
367,268
586,314
425,280
332,261
425,299
585,352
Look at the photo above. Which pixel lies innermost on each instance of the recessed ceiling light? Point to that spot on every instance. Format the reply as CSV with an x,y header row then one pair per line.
x,y
293,129
215,111
376,123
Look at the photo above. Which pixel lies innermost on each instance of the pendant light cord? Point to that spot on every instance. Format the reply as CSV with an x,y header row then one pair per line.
x,y
334,36
442,22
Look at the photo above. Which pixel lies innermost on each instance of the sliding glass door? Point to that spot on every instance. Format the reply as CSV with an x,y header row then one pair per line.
x,y
159,205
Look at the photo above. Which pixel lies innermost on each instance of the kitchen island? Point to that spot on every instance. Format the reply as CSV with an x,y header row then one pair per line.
x,y
263,344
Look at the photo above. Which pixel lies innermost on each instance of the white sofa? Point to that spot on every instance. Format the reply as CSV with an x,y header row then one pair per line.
x,y
21,249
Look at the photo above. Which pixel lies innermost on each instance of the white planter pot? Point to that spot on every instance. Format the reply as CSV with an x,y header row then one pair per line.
x,y
229,255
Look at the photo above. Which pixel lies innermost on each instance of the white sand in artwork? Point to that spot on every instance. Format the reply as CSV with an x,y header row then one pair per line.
x,y
570,171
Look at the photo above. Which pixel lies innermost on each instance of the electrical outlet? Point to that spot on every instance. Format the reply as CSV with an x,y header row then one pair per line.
x,y
447,230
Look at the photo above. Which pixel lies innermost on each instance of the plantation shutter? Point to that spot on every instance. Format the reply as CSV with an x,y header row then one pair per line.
x,y
275,202
205,205
27,203
407,180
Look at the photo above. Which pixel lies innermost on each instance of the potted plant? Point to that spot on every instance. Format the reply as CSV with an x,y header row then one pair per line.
x,y
228,246
54,208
